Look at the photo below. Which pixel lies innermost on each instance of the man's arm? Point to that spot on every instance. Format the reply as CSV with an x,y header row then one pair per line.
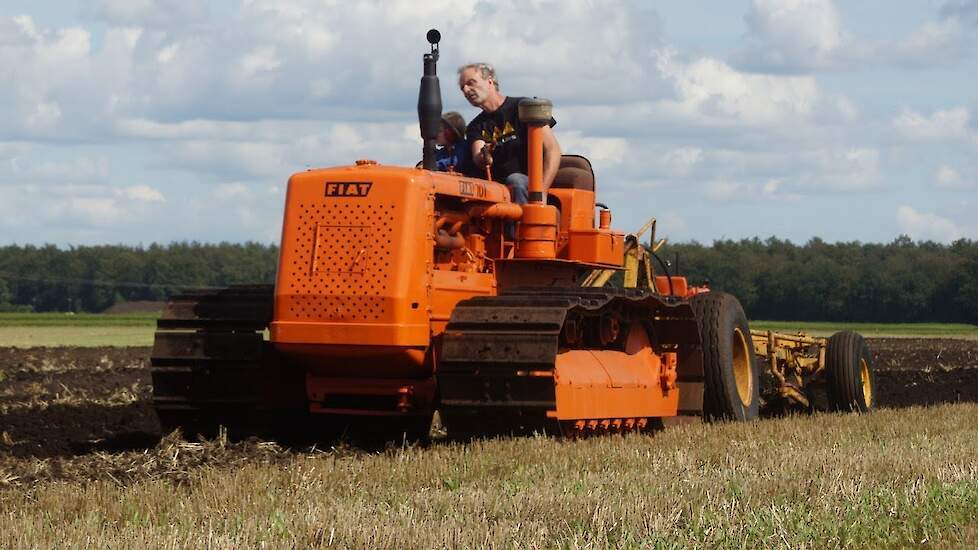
x,y
551,157
477,156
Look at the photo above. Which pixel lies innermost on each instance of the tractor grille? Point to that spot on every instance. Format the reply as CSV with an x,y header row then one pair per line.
x,y
342,261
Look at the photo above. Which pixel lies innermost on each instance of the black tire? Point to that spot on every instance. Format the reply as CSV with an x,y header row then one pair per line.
x,y
732,385
849,373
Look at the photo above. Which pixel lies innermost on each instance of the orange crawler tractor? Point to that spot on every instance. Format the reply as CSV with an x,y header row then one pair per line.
x,y
398,294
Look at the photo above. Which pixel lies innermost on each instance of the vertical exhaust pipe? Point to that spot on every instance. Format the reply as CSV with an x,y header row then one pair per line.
x,y
429,102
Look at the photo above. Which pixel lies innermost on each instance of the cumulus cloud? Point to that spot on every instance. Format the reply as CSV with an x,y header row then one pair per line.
x,y
941,125
600,150
709,88
926,225
934,43
809,35
81,207
964,10
793,34
230,190
946,177
44,165
148,13
141,193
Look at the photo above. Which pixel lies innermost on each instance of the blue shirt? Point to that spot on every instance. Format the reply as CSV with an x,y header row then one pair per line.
x,y
459,157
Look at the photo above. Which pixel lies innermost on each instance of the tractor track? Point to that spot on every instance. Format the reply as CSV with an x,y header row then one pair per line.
x,y
67,402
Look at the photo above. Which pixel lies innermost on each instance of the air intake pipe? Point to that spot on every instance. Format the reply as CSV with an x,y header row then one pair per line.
x,y
429,102
537,236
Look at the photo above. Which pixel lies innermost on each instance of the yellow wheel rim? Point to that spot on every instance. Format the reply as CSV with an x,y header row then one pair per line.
x,y
742,368
867,383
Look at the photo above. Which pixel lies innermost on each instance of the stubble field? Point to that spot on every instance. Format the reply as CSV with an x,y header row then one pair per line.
x,y
82,463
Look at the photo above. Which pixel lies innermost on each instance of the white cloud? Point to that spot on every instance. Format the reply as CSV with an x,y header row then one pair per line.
x,y
947,177
78,207
44,117
795,34
141,193
933,43
858,168
168,53
600,150
187,129
725,190
226,191
150,13
44,165
259,60
809,35
709,88
942,125
926,226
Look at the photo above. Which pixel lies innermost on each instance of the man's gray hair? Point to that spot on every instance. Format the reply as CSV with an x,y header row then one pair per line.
x,y
485,69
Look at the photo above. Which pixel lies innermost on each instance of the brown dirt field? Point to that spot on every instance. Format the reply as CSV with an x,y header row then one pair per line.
x,y
917,371
70,412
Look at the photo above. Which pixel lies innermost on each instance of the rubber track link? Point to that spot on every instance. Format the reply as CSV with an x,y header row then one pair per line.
x,y
212,367
492,342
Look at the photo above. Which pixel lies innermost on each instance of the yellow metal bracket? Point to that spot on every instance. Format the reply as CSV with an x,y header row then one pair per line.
x,y
636,256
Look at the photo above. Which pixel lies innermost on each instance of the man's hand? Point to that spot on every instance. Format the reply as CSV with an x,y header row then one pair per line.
x,y
487,154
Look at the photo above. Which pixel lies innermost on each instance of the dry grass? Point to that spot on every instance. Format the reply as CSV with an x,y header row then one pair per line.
x,y
893,478
82,335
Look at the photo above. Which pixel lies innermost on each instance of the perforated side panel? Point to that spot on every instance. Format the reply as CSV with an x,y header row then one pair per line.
x,y
340,271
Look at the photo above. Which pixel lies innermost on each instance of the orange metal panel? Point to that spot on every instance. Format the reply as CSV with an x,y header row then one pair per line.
x,y
576,208
451,287
614,384
456,185
340,333
596,246
355,257
361,361
607,384
576,212
679,285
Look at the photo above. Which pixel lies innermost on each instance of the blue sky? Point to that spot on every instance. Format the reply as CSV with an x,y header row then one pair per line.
x,y
133,121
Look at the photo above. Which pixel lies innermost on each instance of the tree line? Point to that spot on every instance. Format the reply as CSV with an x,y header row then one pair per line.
x,y
901,281
94,278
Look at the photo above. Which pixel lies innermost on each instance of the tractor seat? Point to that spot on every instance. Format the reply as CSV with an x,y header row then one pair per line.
x,y
574,172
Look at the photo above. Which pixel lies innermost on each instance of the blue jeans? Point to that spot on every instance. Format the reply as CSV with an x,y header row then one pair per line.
x,y
519,187
519,191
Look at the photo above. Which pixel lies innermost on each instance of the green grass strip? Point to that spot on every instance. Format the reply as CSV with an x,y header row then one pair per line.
x,y
930,330
77,320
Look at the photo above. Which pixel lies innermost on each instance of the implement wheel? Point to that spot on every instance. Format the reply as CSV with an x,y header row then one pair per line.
x,y
732,390
849,370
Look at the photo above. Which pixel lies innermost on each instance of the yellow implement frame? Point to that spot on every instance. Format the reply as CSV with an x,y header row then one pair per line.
x,y
795,360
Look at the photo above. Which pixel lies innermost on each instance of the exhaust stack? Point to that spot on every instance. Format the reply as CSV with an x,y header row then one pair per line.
x,y
429,101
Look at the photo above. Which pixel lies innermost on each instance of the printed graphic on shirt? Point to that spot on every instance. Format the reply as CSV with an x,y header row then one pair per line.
x,y
499,135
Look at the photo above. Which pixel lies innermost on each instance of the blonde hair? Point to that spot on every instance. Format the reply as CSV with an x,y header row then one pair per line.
x,y
486,70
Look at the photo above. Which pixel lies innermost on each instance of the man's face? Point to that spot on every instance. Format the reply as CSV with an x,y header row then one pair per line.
x,y
475,88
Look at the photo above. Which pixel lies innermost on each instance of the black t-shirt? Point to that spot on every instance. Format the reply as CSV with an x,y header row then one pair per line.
x,y
503,127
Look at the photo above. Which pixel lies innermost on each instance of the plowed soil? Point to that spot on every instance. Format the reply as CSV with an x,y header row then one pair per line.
x,y
66,407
